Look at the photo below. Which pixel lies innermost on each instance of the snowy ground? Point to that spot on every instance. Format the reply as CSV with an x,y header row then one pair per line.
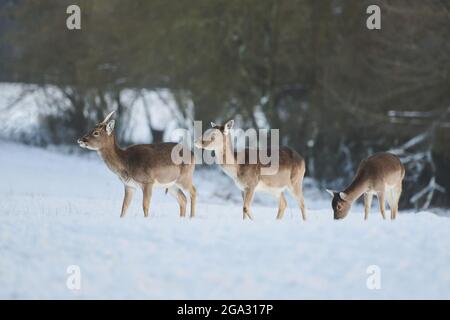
x,y
58,210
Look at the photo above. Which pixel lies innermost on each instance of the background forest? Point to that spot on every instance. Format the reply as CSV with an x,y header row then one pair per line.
x,y
336,90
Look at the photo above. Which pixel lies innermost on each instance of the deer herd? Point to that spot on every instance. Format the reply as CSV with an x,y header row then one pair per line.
x,y
146,166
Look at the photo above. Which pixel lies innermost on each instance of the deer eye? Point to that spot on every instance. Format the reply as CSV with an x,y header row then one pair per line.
x,y
96,133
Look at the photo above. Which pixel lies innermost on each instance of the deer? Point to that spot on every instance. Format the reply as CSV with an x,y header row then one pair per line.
x,y
143,166
249,177
381,174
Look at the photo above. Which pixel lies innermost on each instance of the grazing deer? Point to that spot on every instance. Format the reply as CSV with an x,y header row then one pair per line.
x,y
142,166
381,174
249,177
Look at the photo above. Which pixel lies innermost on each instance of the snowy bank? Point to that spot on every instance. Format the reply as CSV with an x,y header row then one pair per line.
x,y
58,210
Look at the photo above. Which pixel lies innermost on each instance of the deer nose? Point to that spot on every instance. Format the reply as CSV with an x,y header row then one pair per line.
x,y
81,140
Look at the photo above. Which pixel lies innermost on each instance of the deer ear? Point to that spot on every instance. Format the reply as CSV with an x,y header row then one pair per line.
x,y
343,195
108,116
110,127
331,192
228,126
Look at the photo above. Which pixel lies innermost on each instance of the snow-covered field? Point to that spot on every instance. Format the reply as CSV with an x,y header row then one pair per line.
x,y
60,210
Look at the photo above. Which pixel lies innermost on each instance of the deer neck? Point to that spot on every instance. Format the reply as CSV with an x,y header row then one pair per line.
x,y
358,187
226,156
113,157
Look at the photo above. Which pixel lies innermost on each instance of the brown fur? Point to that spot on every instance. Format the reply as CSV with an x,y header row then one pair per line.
x,y
143,166
249,178
381,174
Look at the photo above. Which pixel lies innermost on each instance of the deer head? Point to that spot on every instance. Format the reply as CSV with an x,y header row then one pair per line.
x,y
100,136
214,138
340,204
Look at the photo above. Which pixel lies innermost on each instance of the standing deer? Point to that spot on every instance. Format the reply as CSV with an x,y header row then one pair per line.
x,y
249,177
142,166
381,174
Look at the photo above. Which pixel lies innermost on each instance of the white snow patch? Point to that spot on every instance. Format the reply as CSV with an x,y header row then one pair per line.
x,y
22,105
58,210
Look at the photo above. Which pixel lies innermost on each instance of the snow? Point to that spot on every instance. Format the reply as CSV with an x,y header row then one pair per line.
x,y
22,120
58,210
162,108
22,105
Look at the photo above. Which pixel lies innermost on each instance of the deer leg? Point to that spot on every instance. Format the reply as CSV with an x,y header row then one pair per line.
x,y
297,193
282,204
381,201
193,196
248,197
367,204
126,200
147,191
181,198
187,186
391,201
398,192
